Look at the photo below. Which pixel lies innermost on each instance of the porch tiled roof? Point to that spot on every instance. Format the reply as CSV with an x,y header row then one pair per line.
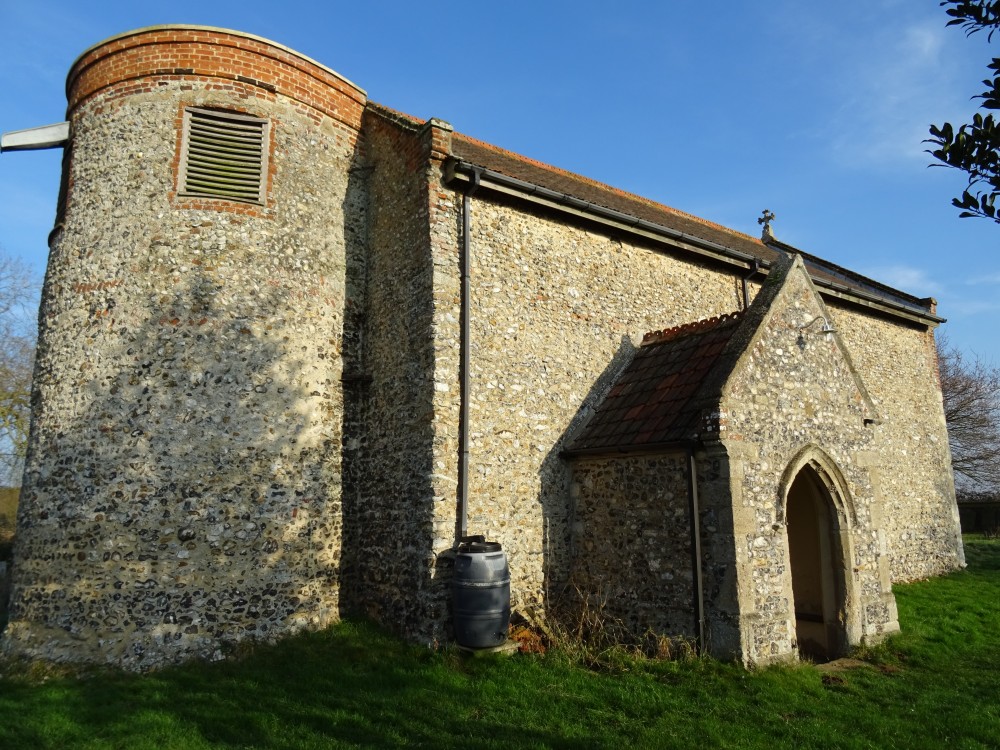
x,y
653,400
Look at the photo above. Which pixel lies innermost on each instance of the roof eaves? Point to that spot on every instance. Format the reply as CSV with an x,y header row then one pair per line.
x,y
629,449
878,289
460,170
462,138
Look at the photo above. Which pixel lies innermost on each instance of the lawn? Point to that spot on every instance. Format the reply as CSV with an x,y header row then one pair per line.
x,y
936,685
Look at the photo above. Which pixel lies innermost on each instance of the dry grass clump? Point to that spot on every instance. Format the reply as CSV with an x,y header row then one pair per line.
x,y
585,627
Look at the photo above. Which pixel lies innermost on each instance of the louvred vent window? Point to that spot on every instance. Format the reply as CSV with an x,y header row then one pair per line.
x,y
223,155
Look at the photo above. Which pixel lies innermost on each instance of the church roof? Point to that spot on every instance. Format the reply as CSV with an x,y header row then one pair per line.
x,y
581,190
538,173
653,402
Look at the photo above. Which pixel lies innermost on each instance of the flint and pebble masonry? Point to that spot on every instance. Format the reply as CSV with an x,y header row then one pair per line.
x,y
246,417
183,484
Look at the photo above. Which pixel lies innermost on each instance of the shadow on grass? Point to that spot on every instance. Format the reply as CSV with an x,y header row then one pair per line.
x,y
348,685
982,554
354,686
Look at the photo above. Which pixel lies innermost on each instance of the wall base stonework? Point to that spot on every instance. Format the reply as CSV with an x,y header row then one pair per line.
x,y
631,548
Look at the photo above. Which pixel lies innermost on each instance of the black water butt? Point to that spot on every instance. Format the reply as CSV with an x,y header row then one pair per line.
x,y
481,593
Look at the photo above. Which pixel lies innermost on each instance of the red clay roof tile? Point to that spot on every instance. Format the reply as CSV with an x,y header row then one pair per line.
x,y
651,402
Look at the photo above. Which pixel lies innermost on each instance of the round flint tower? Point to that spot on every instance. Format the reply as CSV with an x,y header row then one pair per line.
x,y
182,488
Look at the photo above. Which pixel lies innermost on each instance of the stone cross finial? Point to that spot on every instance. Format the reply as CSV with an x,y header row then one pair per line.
x,y
766,218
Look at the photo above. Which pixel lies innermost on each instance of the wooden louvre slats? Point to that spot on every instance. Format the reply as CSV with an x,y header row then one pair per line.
x,y
224,156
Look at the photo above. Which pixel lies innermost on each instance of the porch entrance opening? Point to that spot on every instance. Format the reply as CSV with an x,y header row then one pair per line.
x,y
817,567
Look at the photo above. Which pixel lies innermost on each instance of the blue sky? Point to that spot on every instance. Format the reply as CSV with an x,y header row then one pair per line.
x,y
813,110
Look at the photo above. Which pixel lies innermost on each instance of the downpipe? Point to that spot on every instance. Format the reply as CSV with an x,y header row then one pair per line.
x,y
462,525
698,584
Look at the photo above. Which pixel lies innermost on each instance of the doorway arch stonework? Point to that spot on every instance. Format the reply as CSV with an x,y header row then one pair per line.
x,y
820,520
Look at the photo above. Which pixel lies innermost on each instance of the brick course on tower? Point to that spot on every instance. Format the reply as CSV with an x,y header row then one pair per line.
x,y
247,410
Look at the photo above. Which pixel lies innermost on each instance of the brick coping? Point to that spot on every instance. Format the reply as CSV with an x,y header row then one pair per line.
x,y
213,30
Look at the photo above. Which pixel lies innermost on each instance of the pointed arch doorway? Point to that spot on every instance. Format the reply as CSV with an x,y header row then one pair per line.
x,y
818,567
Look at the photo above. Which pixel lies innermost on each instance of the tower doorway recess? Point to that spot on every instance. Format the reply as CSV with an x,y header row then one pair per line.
x,y
817,565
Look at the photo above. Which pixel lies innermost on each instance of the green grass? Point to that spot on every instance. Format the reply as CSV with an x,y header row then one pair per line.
x,y
934,686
